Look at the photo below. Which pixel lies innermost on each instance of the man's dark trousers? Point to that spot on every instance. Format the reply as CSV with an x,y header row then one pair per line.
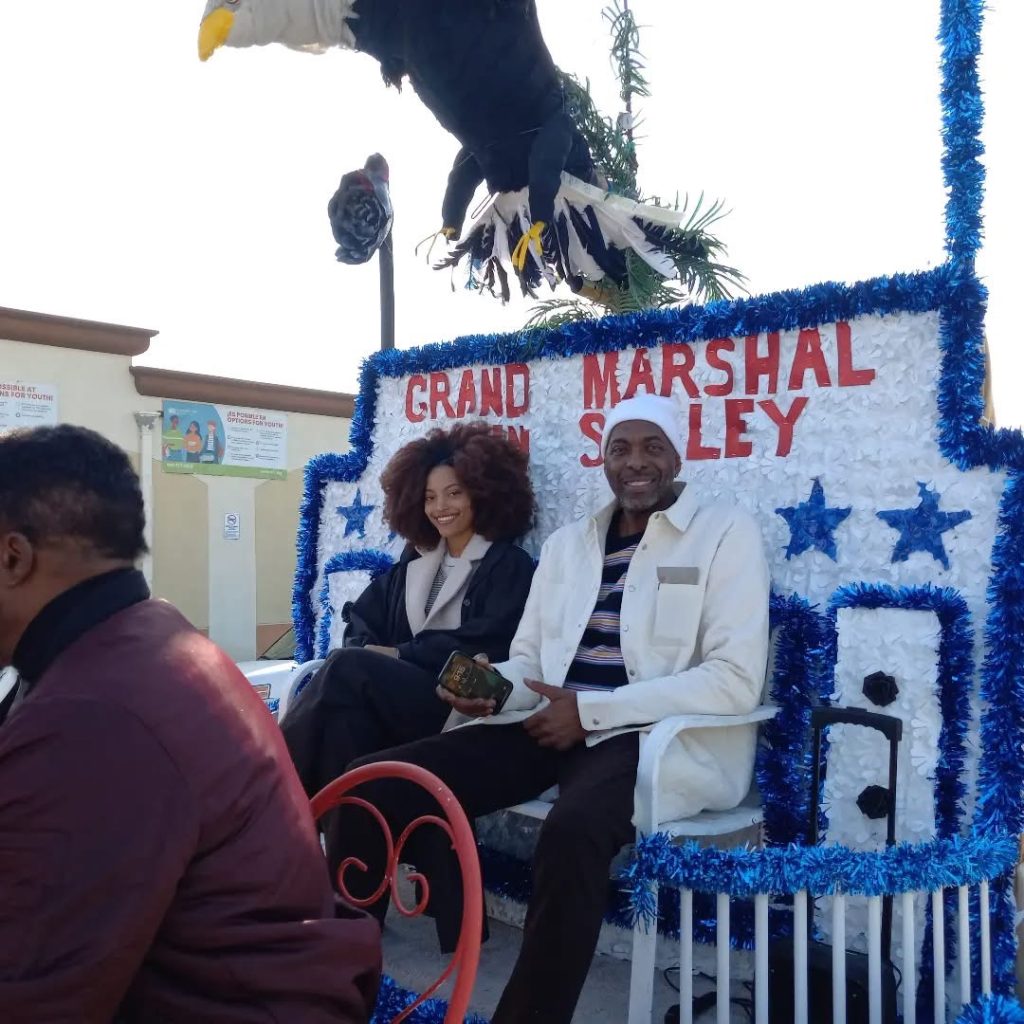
x,y
489,767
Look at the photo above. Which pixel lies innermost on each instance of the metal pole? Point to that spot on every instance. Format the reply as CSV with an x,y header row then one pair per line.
x,y
146,422
629,92
386,256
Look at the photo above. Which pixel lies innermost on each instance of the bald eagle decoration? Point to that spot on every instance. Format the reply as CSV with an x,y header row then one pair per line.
x,y
482,68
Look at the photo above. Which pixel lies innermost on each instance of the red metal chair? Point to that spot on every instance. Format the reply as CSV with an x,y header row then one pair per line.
x,y
466,959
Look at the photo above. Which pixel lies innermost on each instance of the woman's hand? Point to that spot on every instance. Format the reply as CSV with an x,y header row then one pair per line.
x,y
471,707
391,652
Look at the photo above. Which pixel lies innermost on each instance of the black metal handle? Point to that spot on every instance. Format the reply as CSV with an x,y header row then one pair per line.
x,y
890,726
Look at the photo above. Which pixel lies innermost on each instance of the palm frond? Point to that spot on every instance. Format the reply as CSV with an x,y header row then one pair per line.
x,y
625,54
614,154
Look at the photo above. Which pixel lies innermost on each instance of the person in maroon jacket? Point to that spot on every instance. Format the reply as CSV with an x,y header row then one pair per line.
x,y
158,861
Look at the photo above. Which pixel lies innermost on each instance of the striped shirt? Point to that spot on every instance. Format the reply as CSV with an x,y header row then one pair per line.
x,y
598,664
435,588
446,566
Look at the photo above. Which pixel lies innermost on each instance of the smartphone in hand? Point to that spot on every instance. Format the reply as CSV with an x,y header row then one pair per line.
x,y
467,678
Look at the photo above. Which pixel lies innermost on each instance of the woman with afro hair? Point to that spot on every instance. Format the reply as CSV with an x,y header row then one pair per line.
x,y
459,498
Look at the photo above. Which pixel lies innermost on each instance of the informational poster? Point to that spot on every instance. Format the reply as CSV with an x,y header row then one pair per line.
x,y
224,440
232,526
25,405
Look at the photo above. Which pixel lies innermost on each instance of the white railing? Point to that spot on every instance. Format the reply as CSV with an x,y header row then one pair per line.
x,y
907,961
964,866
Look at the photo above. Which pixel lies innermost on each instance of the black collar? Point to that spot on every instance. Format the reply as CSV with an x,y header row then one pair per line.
x,y
73,613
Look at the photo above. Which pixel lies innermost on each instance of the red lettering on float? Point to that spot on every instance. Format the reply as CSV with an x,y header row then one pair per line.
x,y
415,412
439,390
520,437
848,376
467,395
736,411
491,392
514,372
695,449
809,356
673,371
600,382
785,421
640,373
716,362
758,366
592,427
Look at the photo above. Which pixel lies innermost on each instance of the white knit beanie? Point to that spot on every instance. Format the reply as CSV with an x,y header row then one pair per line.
x,y
662,412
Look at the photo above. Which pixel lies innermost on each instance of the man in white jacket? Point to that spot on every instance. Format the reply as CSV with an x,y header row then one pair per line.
x,y
655,606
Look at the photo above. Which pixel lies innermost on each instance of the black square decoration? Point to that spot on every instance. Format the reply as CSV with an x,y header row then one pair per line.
x,y
880,688
874,802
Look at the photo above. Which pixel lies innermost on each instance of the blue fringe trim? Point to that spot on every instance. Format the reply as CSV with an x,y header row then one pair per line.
x,y
392,999
376,563
1001,769
783,766
821,870
992,1010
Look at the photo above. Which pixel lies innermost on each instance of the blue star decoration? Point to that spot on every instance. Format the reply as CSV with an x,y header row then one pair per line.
x,y
812,523
355,515
921,528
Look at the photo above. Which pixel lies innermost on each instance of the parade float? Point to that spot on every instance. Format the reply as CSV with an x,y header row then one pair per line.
x,y
850,420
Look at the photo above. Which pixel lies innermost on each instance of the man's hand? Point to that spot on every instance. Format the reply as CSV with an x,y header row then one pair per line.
x,y
471,707
557,725
391,652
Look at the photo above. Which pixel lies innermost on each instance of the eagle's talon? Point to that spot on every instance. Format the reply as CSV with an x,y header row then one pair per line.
x,y
448,234
520,252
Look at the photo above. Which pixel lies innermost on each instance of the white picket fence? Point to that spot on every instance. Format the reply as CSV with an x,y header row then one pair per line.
x,y
907,965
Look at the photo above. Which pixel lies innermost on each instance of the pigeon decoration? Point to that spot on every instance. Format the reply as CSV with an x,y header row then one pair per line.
x,y
483,70
360,211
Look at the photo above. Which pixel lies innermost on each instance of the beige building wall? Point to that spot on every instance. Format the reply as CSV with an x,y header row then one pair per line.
x,y
94,389
90,365
277,519
180,552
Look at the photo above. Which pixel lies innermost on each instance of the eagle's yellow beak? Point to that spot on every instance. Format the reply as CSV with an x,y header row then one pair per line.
x,y
214,31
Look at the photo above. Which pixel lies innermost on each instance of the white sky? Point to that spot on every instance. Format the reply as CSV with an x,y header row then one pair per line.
x,y
141,187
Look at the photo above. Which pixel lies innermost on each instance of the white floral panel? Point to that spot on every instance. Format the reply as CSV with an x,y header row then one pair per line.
x,y
903,644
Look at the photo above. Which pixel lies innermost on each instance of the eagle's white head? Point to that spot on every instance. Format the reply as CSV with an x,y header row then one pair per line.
x,y
312,25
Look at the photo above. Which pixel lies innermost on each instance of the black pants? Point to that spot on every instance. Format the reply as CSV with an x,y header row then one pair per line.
x,y
357,703
489,767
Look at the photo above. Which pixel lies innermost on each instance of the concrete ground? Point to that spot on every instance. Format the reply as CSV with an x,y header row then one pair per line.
x,y
412,959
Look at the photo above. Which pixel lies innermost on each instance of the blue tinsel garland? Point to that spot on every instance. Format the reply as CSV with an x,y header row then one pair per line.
x,y
1001,769
376,563
783,756
992,1010
392,999
821,870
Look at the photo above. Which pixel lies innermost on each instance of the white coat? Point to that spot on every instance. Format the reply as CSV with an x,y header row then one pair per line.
x,y
694,638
